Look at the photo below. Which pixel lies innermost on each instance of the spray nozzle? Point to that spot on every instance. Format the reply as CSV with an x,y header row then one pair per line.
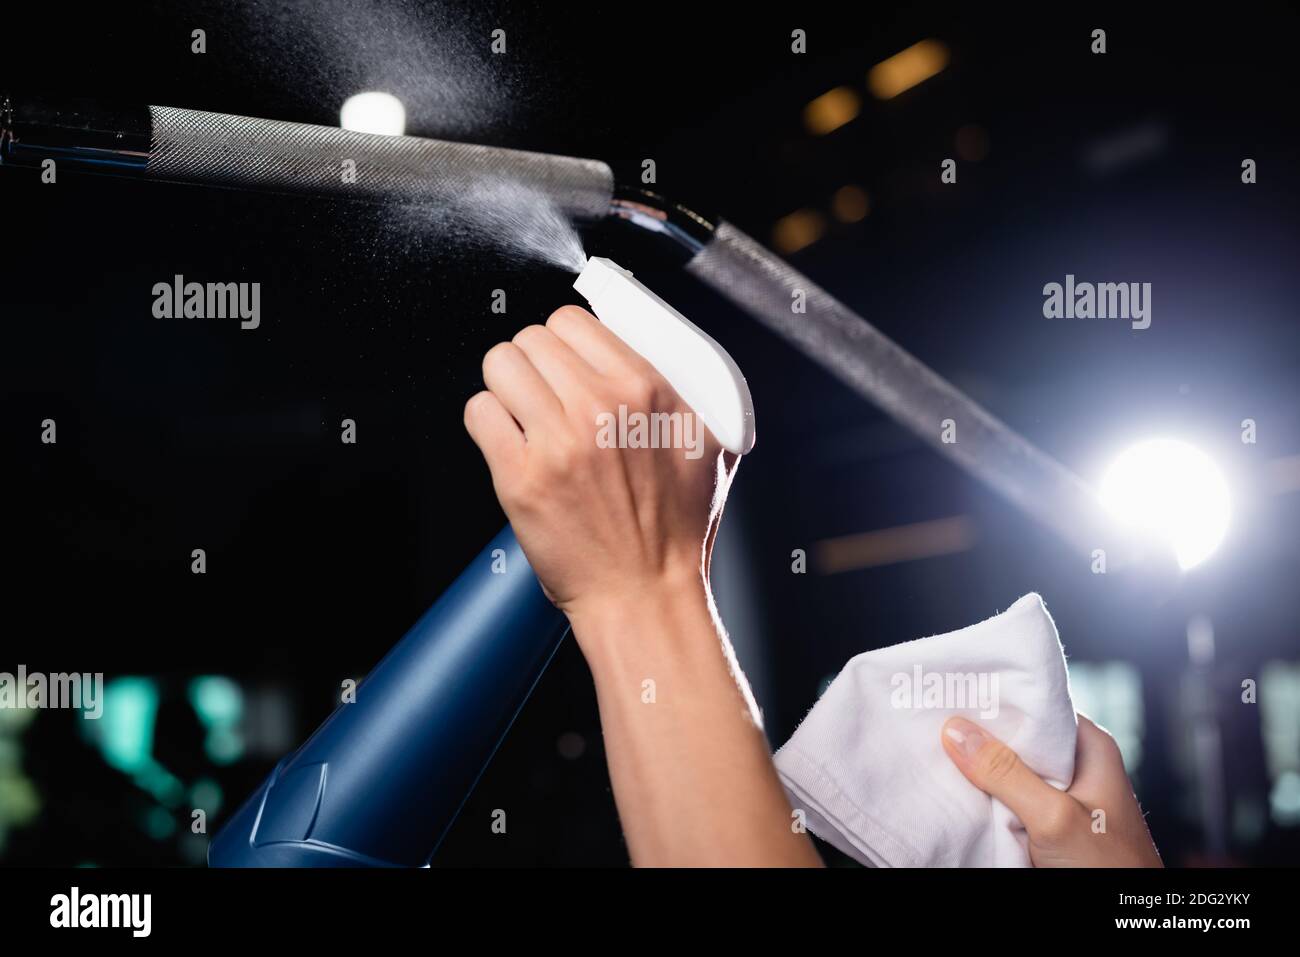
x,y
704,375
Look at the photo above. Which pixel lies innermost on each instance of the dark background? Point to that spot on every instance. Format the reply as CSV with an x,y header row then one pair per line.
x,y
182,435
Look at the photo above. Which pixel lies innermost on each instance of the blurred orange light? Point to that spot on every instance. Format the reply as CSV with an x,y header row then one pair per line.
x,y
904,70
801,228
850,204
831,110
900,543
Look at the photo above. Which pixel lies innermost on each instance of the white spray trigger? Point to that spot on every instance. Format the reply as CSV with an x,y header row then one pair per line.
x,y
707,379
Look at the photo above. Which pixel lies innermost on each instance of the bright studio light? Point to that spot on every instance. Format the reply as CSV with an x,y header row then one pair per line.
x,y
373,112
1173,492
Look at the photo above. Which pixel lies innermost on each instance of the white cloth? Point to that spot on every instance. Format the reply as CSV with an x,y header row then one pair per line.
x,y
868,768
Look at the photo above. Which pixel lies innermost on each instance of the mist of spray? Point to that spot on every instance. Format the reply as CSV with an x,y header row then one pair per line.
x,y
433,55
511,218
522,222
437,61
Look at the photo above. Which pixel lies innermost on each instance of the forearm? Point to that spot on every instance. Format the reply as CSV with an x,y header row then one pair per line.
x,y
691,770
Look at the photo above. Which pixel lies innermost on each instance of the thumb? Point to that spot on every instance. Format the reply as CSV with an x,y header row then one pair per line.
x,y
998,771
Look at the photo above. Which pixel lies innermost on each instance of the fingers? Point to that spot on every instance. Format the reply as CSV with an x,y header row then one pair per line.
x,y
495,432
521,389
998,771
548,371
589,338
562,368
1098,764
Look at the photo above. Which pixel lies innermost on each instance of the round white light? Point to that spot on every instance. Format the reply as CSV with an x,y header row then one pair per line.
x,y
373,112
1171,491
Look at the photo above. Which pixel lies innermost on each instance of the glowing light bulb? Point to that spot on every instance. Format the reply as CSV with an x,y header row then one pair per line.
x,y
1170,491
373,112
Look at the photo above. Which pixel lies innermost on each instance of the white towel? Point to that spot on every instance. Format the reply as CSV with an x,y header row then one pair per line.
x,y
868,769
